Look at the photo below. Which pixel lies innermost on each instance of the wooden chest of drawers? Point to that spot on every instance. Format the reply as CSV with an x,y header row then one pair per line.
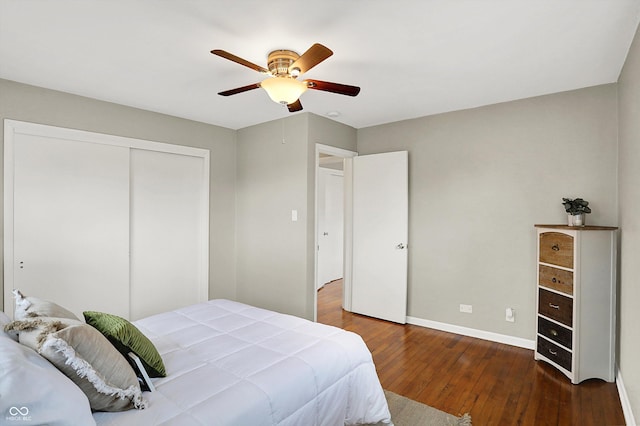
x,y
576,300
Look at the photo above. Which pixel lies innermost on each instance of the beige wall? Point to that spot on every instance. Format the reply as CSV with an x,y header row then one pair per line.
x,y
479,180
271,181
44,106
629,195
276,256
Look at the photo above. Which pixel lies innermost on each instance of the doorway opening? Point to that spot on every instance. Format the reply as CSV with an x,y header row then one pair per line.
x,y
332,220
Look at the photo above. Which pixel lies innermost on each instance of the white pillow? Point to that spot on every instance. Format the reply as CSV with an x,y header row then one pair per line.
x,y
33,391
4,319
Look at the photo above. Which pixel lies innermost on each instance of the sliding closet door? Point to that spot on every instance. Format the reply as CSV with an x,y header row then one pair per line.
x,y
71,223
101,222
168,231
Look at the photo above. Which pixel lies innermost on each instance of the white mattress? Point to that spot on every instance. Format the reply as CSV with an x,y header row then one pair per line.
x,y
233,364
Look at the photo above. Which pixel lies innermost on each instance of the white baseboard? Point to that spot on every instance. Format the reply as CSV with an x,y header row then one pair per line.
x,y
472,332
624,401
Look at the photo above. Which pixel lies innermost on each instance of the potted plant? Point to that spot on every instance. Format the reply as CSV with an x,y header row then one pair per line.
x,y
576,209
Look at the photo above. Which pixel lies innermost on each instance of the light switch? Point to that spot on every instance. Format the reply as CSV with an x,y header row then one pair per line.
x,y
294,215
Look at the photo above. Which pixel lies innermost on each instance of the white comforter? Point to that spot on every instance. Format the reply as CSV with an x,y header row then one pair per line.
x,y
233,364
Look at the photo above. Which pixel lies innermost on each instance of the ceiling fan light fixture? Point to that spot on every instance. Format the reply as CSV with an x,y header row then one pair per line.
x,y
283,90
284,67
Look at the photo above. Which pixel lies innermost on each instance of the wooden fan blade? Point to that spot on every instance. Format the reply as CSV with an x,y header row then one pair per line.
x,y
238,60
240,89
312,57
327,86
296,106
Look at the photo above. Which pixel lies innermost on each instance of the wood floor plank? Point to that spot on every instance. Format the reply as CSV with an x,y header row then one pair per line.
x,y
497,384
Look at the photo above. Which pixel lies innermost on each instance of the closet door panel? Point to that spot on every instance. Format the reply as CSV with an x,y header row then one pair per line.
x,y
71,223
167,231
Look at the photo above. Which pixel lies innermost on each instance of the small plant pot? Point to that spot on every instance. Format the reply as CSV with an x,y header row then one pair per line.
x,y
576,219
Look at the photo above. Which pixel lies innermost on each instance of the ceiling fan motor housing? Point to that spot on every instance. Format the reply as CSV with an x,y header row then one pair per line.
x,y
279,62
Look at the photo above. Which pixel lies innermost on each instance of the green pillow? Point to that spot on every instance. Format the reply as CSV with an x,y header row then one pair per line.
x,y
127,338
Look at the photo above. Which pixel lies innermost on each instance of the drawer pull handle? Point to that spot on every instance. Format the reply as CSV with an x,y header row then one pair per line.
x,y
553,332
551,305
555,247
554,280
553,352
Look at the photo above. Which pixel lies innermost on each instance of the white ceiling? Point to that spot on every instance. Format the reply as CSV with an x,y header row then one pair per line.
x,y
410,57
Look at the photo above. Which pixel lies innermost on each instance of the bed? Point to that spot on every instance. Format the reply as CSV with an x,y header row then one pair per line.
x,y
229,363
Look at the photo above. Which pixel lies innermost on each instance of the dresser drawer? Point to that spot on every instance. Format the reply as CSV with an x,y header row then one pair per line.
x,y
556,306
555,332
557,279
554,353
557,249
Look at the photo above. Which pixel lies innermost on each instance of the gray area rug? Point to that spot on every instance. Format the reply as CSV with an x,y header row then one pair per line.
x,y
406,412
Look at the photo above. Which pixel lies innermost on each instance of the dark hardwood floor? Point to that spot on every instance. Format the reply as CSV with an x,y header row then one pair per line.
x,y
497,384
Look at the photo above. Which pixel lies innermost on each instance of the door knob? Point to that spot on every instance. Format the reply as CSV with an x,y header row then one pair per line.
x,y
400,246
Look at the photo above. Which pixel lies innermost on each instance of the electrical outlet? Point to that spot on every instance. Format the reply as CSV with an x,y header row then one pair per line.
x,y
510,315
467,309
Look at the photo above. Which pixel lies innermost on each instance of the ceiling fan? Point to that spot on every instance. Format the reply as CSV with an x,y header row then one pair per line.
x,y
284,67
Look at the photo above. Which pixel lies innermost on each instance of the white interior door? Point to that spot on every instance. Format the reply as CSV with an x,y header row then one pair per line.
x,y
334,225
330,225
380,225
67,193
321,229
167,232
